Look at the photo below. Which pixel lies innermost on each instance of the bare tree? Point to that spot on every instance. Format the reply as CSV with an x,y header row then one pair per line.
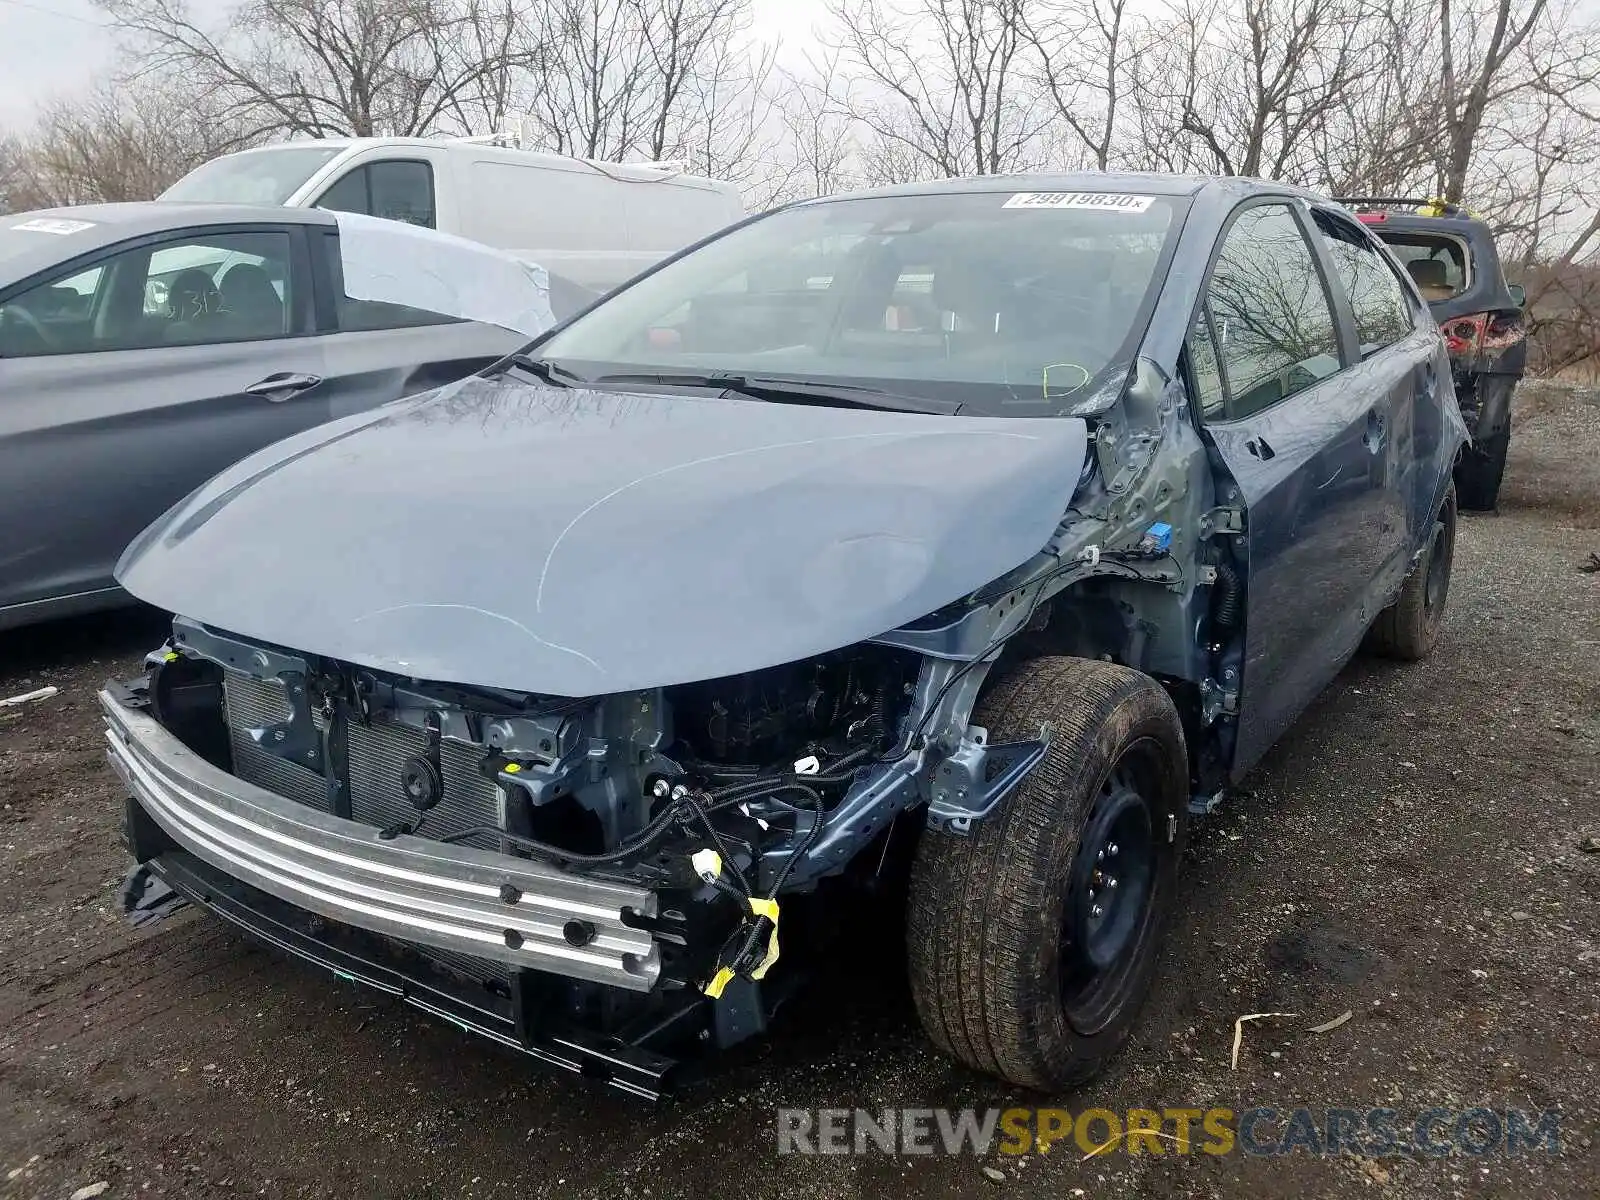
x,y
728,126
333,67
943,88
12,175
1240,87
1478,40
621,78
589,79
121,143
819,144
1496,102
1383,139
688,45
1080,66
1550,207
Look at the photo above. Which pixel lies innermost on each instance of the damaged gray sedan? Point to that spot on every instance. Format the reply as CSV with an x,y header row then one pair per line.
x,y
995,524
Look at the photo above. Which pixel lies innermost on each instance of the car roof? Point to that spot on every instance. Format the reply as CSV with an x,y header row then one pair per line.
x,y
1147,182
109,224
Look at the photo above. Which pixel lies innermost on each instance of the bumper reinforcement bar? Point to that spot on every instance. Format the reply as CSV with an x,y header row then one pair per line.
x,y
515,911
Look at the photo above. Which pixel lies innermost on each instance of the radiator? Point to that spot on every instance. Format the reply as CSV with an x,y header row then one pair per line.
x,y
376,753
250,703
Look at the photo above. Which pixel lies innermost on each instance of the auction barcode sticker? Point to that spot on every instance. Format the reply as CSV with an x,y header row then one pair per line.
x,y
53,225
1106,201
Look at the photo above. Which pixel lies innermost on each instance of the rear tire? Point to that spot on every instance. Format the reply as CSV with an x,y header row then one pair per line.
x,y
1409,628
1480,472
1029,957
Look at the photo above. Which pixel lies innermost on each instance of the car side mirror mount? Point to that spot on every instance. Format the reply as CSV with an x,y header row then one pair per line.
x,y
1519,294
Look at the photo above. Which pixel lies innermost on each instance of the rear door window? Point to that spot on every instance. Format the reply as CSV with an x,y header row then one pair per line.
x,y
369,316
1382,312
396,189
1270,312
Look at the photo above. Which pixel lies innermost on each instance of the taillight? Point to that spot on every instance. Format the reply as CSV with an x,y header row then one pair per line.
x,y
1482,331
1504,329
1462,335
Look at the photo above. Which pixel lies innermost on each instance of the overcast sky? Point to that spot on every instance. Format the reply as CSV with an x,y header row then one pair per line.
x,y
54,47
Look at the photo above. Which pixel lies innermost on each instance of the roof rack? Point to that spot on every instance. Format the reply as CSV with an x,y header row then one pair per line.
x,y
1432,207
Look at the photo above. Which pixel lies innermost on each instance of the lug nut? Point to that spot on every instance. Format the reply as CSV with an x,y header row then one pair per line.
x,y
1097,911
1112,849
1111,882
661,790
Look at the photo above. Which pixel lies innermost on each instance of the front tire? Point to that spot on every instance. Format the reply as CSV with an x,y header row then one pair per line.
x,y
1032,941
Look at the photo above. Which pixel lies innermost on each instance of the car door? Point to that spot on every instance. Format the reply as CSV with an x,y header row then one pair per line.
x,y
375,352
190,352
1304,443
1399,366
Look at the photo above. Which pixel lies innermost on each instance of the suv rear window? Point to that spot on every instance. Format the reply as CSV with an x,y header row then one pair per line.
x,y
1436,262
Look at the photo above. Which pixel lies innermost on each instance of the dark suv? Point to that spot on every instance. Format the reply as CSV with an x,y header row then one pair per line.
x,y
1451,257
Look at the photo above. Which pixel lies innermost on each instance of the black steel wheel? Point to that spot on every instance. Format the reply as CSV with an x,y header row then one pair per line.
x,y
1032,940
1110,896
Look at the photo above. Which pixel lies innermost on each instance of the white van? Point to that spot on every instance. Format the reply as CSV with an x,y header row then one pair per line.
x,y
595,223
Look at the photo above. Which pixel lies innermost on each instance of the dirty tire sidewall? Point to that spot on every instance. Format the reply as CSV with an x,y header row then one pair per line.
x,y
986,910
1408,629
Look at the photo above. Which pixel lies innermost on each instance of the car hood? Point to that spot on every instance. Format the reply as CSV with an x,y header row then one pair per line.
x,y
575,542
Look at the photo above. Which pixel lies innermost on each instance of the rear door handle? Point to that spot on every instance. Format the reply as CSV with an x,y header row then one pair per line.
x,y
285,385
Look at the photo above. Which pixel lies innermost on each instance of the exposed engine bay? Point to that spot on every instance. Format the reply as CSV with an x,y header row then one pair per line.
x,y
712,794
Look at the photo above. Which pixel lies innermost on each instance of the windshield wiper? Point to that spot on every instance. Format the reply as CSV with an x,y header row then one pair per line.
x,y
803,391
544,368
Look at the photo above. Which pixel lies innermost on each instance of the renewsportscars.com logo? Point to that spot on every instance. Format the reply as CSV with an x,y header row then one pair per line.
x,y
1320,1132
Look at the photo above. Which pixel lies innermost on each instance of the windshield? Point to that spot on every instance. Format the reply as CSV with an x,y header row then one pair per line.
x,y
251,177
995,299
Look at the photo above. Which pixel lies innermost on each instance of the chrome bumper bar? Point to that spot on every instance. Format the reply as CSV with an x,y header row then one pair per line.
x,y
471,901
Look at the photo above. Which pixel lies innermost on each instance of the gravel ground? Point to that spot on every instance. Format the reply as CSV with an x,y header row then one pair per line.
x,y
1409,852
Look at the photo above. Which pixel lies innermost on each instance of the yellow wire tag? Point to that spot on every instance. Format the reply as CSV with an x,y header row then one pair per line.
x,y
725,975
719,981
769,910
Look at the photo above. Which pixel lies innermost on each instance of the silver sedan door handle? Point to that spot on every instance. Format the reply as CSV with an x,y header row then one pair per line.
x,y
283,386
